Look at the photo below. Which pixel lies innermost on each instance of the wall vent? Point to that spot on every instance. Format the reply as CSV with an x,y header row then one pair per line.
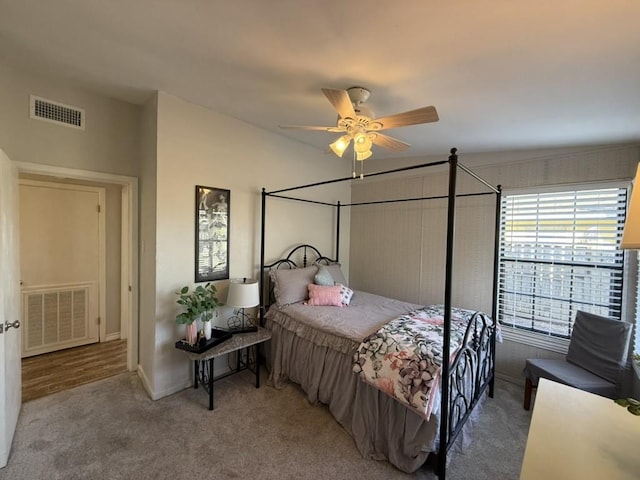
x,y
55,317
56,112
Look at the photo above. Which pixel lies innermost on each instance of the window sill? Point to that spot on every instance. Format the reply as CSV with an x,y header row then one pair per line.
x,y
554,344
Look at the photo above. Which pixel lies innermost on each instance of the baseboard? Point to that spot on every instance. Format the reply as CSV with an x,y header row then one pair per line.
x,y
158,395
145,381
170,391
176,388
221,371
510,379
112,336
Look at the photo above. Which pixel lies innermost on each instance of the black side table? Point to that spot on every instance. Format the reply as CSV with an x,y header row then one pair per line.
x,y
203,362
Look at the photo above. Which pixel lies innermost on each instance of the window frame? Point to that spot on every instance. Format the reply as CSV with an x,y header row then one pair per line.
x,y
546,340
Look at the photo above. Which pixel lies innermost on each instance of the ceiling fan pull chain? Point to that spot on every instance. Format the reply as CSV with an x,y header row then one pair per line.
x,y
353,168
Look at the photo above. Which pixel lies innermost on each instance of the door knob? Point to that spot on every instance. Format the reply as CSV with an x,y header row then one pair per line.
x,y
8,324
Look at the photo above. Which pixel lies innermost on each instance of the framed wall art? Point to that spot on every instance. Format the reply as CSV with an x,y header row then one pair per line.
x,y
212,233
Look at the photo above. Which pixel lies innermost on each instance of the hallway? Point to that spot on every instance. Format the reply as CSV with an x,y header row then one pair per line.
x,y
45,374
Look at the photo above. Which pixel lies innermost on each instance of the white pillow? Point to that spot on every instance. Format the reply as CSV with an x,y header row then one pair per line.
x,y
345,294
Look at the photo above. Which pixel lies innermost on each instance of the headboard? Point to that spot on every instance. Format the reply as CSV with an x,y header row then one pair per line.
x,y
300,256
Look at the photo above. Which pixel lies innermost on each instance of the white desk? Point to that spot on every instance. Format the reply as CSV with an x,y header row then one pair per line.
x,y
578,435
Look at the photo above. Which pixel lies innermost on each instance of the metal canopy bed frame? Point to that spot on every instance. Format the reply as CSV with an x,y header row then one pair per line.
x,y
455,408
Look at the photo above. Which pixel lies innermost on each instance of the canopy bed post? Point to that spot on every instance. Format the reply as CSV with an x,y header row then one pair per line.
x,y
262,241
338,231
451,214
496,267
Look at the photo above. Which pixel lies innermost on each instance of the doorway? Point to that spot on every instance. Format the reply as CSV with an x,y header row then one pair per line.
x,y
62,265
127,259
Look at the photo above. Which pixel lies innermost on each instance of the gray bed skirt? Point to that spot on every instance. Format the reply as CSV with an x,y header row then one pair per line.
x,y
382,428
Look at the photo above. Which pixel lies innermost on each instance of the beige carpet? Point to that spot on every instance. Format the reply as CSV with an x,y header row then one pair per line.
x,y
112,430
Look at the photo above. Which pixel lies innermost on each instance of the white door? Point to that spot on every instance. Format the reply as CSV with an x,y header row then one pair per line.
x,y
10,369
62,245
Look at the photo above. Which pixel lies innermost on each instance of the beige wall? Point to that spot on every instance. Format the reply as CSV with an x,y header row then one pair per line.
x,y
196,146
399,250
108,144
147,247
113,270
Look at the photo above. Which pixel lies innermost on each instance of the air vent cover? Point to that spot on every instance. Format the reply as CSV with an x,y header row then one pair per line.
x,y
56,112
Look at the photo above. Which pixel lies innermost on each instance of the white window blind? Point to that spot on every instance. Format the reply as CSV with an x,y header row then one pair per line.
x,y
559,254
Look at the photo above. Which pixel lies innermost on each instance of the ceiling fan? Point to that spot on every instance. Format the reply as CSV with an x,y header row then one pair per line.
x,y
357,123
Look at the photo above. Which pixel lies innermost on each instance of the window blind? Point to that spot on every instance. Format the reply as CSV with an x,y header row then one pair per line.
x,y
559,254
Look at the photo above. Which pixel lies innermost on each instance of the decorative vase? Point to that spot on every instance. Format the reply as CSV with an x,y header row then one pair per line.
x,y
206,326
191,333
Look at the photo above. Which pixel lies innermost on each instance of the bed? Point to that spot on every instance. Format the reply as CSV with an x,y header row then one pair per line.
x,y
327,348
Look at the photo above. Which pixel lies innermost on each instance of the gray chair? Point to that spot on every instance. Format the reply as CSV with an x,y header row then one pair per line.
x,y
598,351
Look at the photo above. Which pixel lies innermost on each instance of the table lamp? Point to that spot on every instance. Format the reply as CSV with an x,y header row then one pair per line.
x,y
243,293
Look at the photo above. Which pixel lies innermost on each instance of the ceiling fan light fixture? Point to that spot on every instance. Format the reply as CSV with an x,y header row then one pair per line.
x,y
363,155
361,142
340,145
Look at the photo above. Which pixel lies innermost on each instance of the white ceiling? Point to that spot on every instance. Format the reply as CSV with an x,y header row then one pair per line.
x,y
503,74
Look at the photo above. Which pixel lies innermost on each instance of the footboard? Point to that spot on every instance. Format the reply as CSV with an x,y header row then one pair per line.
x,y
471,373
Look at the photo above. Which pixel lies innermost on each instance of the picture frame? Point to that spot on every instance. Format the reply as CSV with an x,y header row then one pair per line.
x,y
213,208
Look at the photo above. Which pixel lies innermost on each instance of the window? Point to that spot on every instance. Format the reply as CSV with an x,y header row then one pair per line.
x,y
558,254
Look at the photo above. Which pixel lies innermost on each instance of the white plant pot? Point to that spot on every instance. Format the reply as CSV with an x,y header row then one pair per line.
x,y
206,326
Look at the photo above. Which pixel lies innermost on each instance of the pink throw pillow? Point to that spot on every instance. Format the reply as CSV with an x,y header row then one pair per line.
x,y
320,295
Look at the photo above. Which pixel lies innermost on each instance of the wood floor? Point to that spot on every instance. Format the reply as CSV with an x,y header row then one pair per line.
x,y
53,372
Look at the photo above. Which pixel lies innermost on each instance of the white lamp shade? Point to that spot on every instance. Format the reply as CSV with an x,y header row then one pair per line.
x,y
361,143
631,232
340,145
363,155
243,293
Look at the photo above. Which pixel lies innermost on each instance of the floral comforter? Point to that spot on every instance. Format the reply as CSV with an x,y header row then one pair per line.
x,y
403,358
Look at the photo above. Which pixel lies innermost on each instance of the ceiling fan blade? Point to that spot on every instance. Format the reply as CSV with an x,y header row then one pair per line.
x,y
412,117
340,101
310,127
388,142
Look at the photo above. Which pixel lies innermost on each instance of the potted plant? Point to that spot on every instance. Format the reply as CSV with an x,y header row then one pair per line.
x,y
631,404
201,303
